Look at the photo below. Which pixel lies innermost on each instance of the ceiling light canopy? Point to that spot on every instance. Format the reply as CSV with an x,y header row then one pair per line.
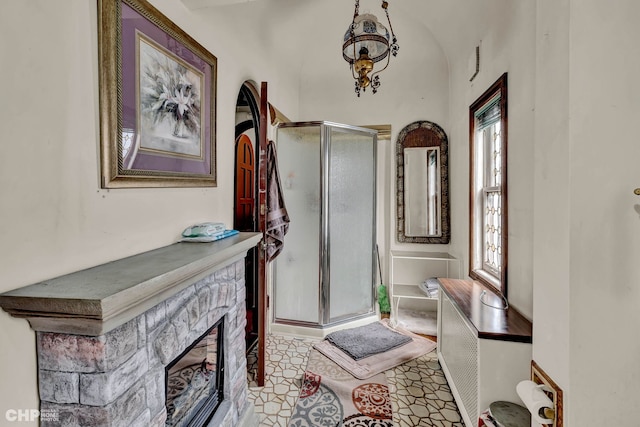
x,y
367,42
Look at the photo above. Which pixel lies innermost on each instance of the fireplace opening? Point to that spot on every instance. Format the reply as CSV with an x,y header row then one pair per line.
x,y
194,381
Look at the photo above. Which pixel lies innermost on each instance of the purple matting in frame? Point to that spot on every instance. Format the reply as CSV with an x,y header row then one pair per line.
x,y
133,22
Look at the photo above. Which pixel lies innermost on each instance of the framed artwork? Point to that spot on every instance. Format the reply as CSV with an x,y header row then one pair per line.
x,y
157,100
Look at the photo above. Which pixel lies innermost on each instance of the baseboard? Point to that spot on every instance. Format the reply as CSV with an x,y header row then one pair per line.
x,y
249,417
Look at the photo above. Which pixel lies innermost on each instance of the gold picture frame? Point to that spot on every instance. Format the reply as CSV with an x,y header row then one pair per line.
x,y
157,100
553,392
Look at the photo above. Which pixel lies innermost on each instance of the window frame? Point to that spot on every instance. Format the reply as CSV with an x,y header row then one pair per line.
x,y
477,270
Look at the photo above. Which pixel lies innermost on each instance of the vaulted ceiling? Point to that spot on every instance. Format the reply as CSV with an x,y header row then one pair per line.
x,y
301,25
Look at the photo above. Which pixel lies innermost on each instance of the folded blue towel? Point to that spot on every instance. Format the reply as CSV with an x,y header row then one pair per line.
x,y
213,238
204,229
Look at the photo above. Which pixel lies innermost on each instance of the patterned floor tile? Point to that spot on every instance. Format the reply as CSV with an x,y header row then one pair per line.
x,y
419,390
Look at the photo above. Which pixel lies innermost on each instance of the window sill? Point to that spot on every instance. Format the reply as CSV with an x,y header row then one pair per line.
x,y
488,280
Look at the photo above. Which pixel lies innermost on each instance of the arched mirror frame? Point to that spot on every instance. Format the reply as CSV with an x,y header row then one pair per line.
x,y
423,134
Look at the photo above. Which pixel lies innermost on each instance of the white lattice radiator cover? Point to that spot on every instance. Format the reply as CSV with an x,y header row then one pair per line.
x,y
459,348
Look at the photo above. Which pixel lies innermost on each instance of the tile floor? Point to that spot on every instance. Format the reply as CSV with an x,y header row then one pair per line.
x,y
419,391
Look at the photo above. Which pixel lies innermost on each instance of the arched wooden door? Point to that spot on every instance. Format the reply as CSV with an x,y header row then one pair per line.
x,y
245,183
245,220
250,178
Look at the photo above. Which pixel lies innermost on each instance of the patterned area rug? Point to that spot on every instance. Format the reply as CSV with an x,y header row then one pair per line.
x,y
331,396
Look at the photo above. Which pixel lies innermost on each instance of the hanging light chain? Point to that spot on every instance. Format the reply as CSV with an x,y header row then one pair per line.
x,y
361,66
352,35
394,41
356,12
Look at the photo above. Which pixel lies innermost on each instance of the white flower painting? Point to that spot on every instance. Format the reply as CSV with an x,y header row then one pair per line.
x,y
170,113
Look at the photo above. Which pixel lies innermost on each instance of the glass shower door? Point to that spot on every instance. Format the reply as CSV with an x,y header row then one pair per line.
x,y
325,273
351,213
297,271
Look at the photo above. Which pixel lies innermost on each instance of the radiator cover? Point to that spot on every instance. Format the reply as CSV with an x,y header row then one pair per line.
x,y
479,370
459,349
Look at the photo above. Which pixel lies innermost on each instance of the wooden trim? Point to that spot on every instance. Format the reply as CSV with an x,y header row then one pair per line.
x,y
500,86
276,116
384,131
262,226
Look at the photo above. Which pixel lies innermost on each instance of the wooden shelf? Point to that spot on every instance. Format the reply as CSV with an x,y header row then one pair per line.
x,y
489,322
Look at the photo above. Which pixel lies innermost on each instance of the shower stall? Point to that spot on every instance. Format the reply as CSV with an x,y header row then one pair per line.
x,y
325,275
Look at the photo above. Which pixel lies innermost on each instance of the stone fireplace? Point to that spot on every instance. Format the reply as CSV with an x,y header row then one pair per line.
x,y
109,337
195,379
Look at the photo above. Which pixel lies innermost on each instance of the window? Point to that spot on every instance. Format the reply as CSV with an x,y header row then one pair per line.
x,y
488,187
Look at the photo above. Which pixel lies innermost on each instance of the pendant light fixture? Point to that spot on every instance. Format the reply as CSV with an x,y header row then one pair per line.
x,y
367,42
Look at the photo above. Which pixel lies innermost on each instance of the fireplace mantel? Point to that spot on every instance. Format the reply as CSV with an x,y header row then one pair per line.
x,y
97,300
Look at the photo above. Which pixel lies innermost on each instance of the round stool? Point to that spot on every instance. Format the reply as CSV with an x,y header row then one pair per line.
x,y
505,414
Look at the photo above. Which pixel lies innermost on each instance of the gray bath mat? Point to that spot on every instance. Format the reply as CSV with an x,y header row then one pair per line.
x,y
367,340
372,365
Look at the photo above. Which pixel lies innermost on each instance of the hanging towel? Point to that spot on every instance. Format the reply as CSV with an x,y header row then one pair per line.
x,y
277,217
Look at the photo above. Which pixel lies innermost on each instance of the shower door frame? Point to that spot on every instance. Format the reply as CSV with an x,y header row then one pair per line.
x,y
324,261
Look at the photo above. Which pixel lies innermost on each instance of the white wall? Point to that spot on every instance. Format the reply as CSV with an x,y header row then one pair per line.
x,y
55,217
604,233
587,223
507,45
552,195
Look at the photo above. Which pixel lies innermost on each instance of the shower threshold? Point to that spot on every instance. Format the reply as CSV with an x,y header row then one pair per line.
x,y
295,329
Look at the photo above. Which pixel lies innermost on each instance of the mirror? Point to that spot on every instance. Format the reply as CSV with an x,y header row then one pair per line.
x,y
422,184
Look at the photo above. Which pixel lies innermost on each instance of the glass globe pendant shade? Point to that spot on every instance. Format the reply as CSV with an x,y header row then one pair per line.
x,y
365,43
366,32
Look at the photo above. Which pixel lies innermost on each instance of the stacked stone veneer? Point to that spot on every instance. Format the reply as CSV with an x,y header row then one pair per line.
x,y
118,379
